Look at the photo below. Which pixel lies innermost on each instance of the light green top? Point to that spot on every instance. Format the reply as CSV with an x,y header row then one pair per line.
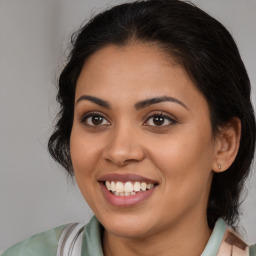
x,y
45,244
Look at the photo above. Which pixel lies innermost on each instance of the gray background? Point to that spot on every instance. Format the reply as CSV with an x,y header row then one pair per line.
x,y
35,194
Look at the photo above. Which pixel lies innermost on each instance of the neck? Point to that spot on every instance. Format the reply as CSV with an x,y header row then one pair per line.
x,y
188,237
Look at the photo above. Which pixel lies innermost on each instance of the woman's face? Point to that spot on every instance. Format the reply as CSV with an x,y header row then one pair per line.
x,y
141,124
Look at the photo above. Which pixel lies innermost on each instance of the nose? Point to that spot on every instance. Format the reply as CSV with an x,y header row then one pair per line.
x,y
123,147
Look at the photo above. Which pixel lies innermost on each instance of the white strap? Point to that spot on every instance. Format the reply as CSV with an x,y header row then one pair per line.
x,y
70,242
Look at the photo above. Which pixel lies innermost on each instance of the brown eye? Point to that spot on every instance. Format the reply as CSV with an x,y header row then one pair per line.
x,y
160,120
94,119
97,120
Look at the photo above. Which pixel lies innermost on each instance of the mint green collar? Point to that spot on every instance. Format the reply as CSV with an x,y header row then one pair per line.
x,y
91,245
216,237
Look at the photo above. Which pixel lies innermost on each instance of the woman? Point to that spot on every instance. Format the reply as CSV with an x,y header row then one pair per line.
x,y
157,127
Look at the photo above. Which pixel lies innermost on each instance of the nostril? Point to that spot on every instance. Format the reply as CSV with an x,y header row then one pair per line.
x,y
122,152
118,161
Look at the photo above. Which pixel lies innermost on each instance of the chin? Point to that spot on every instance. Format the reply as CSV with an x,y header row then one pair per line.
x,y
128,226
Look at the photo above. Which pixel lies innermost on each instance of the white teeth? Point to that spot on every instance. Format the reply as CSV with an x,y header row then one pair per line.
x,y
108,185
143,186
119,187
136,186
124,194
113,186
150,185
128,188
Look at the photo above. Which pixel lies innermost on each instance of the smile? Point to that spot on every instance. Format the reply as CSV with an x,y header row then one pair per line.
x,y
129,188
126,190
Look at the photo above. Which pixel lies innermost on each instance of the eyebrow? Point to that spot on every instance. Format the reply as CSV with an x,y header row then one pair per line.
x,y
95,100
139,105
148,102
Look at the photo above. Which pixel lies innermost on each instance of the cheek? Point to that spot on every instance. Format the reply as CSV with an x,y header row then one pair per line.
x,y
181,151
185,160
84,151
85,157
186,174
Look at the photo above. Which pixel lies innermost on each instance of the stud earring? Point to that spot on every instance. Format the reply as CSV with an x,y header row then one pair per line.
x,y
219,166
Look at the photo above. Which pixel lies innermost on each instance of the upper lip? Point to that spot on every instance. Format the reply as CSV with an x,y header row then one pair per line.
x,y
125,177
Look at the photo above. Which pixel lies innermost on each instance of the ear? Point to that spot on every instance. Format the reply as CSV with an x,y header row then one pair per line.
x,y
227,144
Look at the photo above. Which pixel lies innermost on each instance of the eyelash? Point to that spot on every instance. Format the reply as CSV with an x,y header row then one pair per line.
x,y
163,115
171,121
93,114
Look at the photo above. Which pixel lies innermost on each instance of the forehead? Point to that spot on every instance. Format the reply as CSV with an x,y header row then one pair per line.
x,y
135,72
138,61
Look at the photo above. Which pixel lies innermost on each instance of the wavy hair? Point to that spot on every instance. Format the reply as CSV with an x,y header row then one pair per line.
x,y
208,53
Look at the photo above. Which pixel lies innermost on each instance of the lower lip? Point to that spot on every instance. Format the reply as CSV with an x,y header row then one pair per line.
x,y
126,201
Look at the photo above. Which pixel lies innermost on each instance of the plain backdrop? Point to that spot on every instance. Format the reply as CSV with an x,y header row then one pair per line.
x,y
35,194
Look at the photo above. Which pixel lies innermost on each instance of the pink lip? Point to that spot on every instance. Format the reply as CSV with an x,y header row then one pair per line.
x,y
126,177
126,201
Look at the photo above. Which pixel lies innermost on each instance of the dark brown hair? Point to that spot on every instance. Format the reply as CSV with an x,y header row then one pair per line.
x,y
210,56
